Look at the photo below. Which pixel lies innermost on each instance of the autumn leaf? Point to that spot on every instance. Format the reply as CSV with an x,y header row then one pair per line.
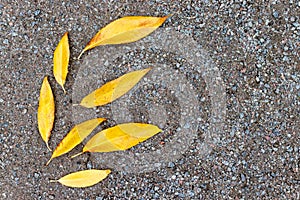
x,y
125,30
46,111
61,61
75,137
120,137
83,178
113,89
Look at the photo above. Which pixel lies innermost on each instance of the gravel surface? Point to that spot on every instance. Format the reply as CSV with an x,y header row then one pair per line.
x,y
255,45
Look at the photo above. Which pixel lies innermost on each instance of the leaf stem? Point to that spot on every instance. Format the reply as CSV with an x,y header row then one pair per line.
x,y
80,54
53,181
48,146
77,155
49,161
64,90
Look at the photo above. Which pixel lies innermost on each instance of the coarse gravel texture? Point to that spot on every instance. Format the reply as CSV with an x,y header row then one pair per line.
x,y
255,45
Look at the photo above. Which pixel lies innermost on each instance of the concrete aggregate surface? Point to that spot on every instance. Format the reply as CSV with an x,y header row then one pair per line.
x,y
254,44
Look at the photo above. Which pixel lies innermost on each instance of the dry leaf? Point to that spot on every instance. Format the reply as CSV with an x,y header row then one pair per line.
x,y
125,30
113,89
46,111
83,178
75,136
120,137
61,61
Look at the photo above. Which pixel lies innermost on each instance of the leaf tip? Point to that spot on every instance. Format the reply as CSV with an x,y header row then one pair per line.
x,y
163,19
101,119
168,16
148,69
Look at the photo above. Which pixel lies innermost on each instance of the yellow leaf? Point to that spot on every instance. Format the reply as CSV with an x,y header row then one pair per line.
x,y
46,111
83,178
75,136
113,89
61,61
125,30
120,137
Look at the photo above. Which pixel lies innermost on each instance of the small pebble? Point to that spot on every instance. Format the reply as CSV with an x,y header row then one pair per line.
x,y
5,41
37,12
275,14
24,111
171,165
36,175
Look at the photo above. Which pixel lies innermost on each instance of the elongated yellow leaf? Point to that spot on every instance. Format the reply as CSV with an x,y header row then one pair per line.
x,y
120,137
125,30
83,178
75,137
113,89
46,111
61,61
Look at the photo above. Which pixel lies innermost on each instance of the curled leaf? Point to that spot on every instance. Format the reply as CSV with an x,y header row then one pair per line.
x,y
75,137
120,137
61,61
46,111
83,178
113,89
125,30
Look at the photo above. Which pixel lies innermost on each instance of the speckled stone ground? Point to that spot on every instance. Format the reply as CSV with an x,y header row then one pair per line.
x,y
254,44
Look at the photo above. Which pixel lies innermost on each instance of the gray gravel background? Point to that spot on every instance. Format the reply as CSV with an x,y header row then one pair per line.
x,y
256,46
